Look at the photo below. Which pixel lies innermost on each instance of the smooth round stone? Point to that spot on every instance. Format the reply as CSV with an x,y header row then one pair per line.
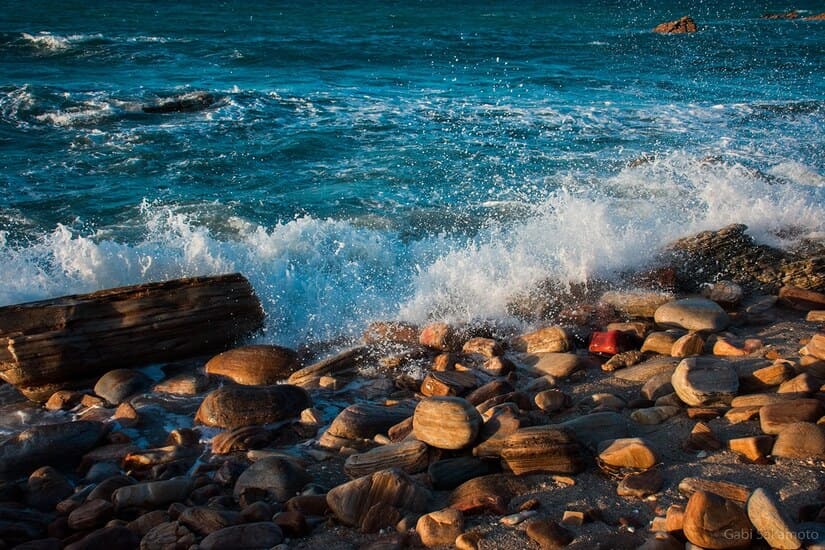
x,y
774,417
551,400
236,406
642,484
46,487
711,521
800,440
116,385
440,528
657,386
53,444
254,365
771,522
351,501
279,477
446,422
697,314
559,365
702,381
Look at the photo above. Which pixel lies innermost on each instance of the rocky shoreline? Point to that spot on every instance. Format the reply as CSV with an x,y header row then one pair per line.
x,y
680,406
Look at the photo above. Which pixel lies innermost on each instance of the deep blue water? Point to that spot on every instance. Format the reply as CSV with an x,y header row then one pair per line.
x,y
412,159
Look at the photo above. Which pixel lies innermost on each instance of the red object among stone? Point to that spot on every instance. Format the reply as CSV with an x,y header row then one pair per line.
x,y
609,342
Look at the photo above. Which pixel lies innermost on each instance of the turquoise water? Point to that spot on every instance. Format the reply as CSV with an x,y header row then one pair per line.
x,y
366,160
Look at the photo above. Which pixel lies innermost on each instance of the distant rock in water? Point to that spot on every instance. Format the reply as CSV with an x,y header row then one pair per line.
x,y
186,103
787,15
731,254
680,26
817,17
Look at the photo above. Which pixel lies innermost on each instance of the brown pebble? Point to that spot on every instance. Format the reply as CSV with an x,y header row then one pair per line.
x,y
549,534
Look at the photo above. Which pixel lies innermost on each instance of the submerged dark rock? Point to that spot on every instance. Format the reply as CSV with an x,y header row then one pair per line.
x,y
186,103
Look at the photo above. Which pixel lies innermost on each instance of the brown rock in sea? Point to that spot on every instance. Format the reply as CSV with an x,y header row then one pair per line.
x,y
542,449
391,488
410,456
186,384
817,17
236,406
633,452
248,535
278,477
440,528
800,440
258,365
491,493
116,385
440,336
48,444
487,347
703,381
446,422
773,418
384,332
680,26
553,339
363,421
711,521
771,522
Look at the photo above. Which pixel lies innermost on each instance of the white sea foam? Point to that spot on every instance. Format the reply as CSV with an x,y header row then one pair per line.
x,y
320,278
48,42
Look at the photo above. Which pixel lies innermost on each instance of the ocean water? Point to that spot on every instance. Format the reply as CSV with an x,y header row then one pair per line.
x,y
414,160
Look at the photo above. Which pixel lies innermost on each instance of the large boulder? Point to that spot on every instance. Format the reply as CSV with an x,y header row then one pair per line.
x,y
236,406
732,255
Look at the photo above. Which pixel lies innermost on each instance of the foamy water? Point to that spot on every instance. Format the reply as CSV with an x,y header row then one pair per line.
x,y
432,167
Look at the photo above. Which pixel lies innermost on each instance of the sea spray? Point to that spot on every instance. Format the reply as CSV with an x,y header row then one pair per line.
x,y
320,279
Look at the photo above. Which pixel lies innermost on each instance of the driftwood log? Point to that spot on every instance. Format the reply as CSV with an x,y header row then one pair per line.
x,y
57,343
